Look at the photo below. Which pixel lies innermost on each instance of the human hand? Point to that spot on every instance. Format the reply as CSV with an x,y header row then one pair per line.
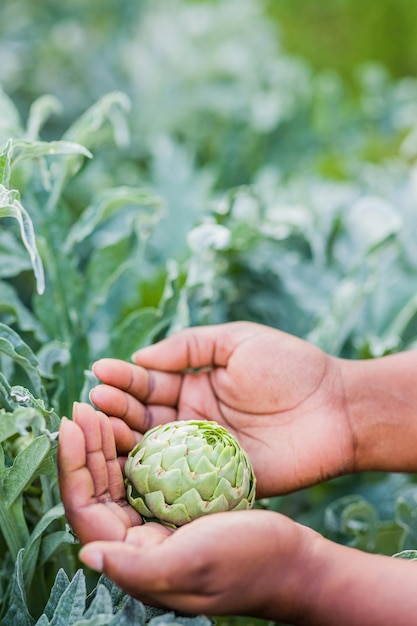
x,y
90,478
238,563
282,397
222,563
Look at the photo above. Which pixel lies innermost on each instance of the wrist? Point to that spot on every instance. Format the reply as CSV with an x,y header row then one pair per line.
x,y
381,410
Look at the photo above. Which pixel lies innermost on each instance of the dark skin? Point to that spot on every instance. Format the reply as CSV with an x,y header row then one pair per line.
x,y
303,416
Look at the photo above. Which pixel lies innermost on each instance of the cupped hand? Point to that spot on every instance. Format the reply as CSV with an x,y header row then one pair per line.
x,y
238,563
90,478
281,396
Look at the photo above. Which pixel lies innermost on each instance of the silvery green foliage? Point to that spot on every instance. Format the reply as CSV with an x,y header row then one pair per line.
x,y
70,604
184,470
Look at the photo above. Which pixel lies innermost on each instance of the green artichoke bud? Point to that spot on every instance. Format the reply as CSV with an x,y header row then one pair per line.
x,y
186,469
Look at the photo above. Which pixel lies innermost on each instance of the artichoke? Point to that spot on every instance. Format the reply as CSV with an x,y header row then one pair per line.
x,y
185,469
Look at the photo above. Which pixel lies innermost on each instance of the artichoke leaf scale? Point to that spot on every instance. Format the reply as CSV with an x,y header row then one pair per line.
x,y
227,454
168,483
138,502
197,506
175,513
171,453
204,484
232,494
195,454
204,466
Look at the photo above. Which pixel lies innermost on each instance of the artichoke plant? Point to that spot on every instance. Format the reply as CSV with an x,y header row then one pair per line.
x,y
186,469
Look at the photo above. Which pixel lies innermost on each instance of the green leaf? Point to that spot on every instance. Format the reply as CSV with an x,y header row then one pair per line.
x,y
8,426
39,418
11,305
136,331
109,203
37,149
52,543
39,112
60,585
25,468
131,612
410,555
10,123
10,206
31,554
406,516
108,109
354,520
13,526
17,613
6,162
13,256
71,604
101,603
51,355
15,348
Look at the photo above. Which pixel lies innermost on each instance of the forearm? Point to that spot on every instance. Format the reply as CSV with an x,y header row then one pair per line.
x,y
381,408
346,587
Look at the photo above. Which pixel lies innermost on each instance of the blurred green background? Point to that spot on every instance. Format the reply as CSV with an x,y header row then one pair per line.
x,y
343,34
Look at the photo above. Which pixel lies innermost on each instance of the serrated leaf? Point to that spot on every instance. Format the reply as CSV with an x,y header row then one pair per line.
x,y
131,612
118,596
10,206
60,585
71,605
101,603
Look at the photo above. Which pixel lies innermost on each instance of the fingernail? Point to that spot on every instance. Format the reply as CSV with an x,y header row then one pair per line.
x,y
92,557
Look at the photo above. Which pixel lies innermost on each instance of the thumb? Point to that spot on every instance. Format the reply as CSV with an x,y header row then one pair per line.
x,y
126,565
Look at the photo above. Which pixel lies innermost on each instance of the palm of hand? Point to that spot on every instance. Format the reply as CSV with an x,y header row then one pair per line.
x,y
269,388
91,480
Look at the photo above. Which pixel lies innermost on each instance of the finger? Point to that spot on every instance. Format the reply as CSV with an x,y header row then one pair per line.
x,y
100,449
88,519
140,571
197,347
144,385
75,481
125,438
138,416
